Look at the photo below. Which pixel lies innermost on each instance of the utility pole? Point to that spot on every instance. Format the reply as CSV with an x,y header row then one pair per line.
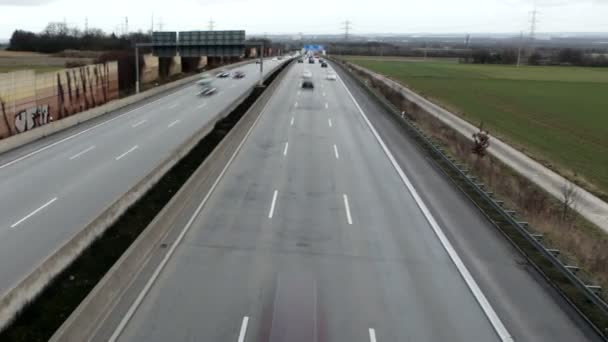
x,y
211,24
152,24
533,23
160,24
86,25
126,25
346,28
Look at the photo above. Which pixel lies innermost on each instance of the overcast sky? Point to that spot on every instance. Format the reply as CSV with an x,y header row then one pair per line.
x,y
311,16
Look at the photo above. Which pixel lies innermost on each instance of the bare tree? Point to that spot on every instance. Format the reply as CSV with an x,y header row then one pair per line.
x,y
481,142
569,199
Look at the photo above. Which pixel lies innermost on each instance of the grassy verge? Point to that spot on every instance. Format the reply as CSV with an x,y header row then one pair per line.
x,y
557,115
43,316
578,239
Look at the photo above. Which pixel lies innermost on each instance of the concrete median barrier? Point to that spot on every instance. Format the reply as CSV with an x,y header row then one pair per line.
x,y
84,321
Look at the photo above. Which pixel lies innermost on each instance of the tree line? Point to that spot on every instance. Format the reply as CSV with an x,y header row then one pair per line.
x,y
567,56
58,37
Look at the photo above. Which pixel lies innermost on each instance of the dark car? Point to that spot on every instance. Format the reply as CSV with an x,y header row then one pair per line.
x,y
311,61
308,85
207,90
300,60
239,74
323,65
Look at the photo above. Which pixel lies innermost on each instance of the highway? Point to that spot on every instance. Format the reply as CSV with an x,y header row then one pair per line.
x,y
54,187
318,232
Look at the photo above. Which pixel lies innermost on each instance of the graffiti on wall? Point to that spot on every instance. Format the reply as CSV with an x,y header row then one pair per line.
x,y
29,100
32,118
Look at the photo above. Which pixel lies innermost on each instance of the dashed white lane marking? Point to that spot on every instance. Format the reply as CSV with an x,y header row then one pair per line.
x,y
139,123
485,305
372,335
347,208
323,94
329,122
173,123
299,92
272,205
292,120
82,152
173,106
336,152
201,105
285,150
296,105
326,105
243,331
142,294
87,130
33,212
129,151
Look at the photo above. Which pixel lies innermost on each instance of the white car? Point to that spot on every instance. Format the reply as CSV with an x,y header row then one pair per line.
x,y
307,74
331,76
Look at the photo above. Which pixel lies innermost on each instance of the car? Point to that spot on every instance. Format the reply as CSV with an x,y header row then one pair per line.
x,y
239,74
223,74
280,58
307,74
300,60
207,90
331,76
323,65
308,85
257,61
311,61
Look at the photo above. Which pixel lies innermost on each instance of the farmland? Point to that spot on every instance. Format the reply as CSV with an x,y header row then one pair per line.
x,y
557,115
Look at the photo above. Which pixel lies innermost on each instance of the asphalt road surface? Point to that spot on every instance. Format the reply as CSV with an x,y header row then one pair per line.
x,y
48,194
313,234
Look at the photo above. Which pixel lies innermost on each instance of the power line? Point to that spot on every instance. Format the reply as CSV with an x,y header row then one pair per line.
x,y
347,27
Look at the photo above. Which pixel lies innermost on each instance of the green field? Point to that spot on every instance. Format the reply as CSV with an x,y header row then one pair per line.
x,y
558,115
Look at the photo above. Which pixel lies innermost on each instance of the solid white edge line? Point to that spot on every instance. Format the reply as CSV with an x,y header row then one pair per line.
x,y
272,205
87,130
285,150
33,212
173,123
138,123
329,121
243,330
82,152
347,208
372,335
336,152
127,317
485,305
129,151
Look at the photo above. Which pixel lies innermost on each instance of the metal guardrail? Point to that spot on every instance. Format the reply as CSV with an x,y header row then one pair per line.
x,y
590,291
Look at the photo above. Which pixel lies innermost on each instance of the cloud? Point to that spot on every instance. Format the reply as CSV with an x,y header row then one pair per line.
x,y
24,2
